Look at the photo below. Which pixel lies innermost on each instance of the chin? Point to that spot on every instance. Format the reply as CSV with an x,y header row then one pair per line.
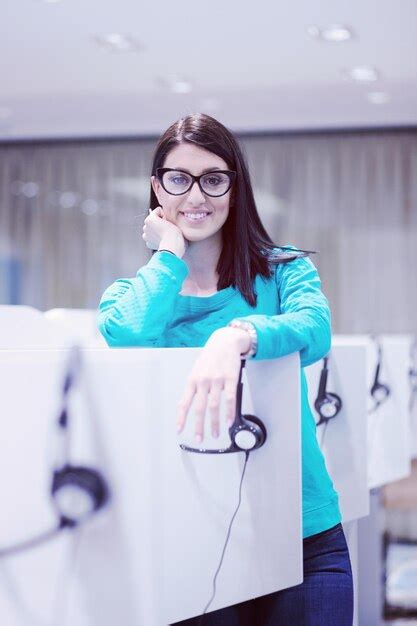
x,y
195,237
194,234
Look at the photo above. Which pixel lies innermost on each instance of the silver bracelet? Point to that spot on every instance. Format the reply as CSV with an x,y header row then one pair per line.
x,y
250,328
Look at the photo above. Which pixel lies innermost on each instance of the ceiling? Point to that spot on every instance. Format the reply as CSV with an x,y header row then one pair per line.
x,y
252,65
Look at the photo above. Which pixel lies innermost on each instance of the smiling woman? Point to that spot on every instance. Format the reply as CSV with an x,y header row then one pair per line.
x,y
217,281
195,146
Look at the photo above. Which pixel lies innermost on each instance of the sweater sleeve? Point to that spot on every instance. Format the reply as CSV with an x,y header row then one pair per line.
x,y
304,324
135,311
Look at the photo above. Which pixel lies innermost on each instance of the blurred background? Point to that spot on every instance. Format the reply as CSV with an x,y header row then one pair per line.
x,y
322,95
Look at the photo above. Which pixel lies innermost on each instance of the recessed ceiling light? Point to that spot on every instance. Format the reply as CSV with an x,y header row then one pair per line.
x,y
334,32
176,84
181,86
378,97
362,73
210,105
116,42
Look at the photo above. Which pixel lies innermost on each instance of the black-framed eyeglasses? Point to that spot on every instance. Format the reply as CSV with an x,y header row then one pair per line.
x,y
177,182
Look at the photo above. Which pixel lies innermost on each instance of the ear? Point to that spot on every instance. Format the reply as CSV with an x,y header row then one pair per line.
x,y
156,186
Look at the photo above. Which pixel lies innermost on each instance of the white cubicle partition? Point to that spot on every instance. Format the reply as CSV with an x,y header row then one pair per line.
x,y
150,558
389,425
391,421
26,327
80,324
344,438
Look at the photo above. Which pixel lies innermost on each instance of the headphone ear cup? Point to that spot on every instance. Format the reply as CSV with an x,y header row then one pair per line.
x,y
337,401
259,427
330,400
380,392
78,492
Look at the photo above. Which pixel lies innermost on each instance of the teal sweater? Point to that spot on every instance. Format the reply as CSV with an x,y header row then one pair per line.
x,y
291,315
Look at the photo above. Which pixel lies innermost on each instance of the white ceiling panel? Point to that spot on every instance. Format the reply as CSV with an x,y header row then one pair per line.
x,y
253,65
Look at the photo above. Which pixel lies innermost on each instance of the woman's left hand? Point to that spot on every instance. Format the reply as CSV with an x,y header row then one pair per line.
x,y
216,370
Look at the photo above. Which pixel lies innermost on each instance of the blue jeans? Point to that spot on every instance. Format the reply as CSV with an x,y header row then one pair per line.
x,y
324,598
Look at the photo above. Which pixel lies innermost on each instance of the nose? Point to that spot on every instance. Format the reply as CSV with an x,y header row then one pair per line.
x,y
195,195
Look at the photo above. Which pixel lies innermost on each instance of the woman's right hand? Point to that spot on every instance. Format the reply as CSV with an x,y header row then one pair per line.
x,y
157,228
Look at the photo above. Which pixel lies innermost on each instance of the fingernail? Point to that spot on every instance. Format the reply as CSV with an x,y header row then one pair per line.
x,y
198,438
179,428
215,433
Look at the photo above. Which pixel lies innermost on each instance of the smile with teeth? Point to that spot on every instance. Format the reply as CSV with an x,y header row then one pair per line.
x,y
195,217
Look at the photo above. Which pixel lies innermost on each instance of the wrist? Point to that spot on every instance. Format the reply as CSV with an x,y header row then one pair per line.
x,y
236,336
249,329
173,244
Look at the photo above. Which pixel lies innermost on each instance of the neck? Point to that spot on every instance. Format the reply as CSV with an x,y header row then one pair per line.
x,y
201,258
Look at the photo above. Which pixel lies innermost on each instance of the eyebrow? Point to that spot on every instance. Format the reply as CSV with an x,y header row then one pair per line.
x,y
208,169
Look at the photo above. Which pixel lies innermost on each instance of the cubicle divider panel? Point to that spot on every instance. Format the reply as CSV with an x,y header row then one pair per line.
x,y
344,438
389,428
149,558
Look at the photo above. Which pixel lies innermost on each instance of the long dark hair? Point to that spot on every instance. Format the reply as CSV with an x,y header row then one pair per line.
x,y
247,248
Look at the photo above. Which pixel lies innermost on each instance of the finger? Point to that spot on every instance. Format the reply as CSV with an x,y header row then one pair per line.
x,y
214,406
230,399
200,405
184,405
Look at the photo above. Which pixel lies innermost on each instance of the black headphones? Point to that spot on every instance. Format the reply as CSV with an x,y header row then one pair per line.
x,y
412,374
247,432
77,491
379,391
327,404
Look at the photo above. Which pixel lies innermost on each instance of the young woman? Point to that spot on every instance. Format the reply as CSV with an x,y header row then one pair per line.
x,y
217,281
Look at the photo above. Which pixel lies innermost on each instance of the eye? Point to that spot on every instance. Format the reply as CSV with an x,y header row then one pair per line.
x,y
213,181
178,179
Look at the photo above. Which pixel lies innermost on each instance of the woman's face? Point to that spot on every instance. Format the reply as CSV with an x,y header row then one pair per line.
x,y
194,160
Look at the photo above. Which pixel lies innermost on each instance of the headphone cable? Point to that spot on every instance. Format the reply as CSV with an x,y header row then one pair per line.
x,y
62,587
35,541
227,539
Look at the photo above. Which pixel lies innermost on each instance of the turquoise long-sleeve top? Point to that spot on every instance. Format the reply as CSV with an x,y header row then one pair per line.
x,y
291,315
